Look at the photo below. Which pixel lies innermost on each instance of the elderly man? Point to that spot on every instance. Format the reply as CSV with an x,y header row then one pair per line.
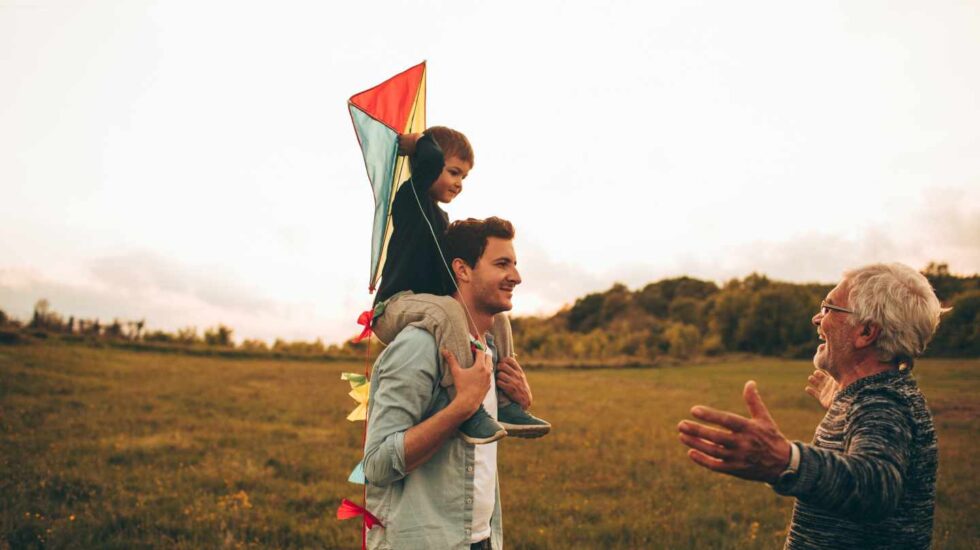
x,y
868,479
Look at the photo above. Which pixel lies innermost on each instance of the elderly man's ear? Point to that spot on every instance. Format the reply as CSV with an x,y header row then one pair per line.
x,y
868,335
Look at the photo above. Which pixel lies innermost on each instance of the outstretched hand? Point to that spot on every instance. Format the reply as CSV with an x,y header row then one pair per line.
x,y
822,387
749,448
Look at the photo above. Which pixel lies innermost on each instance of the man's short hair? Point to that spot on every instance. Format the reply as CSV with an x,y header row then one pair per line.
x,y
467,239
901,301
452,142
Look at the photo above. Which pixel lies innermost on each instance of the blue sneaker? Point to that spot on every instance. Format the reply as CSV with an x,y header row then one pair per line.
x,y
520,423
481,428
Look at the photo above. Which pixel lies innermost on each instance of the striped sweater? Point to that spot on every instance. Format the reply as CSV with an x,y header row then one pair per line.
x,y
868,479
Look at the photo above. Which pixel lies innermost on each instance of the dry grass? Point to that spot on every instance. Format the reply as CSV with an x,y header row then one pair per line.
x,y
118,449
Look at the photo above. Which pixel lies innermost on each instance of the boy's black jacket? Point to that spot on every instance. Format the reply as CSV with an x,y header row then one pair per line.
x,y
413,261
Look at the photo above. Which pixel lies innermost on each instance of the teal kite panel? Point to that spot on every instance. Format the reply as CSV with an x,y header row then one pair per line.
x,y
379,144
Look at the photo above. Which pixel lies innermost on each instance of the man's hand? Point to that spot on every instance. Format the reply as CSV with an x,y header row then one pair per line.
x,y
425,438
512,380
822,387
749,448
472,384
406,143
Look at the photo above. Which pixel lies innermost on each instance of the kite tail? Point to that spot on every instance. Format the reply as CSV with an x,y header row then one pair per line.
x,y
348,509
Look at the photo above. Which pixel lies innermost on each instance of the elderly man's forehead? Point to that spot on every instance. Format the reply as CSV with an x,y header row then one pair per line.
x,y
838,294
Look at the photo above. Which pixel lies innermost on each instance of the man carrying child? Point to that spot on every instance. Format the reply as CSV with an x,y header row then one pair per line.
x,y
429,488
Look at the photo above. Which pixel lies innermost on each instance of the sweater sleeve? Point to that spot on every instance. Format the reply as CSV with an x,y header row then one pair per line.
x,y
866,481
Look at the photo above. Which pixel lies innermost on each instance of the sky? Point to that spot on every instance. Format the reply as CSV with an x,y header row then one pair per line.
x,y
193,162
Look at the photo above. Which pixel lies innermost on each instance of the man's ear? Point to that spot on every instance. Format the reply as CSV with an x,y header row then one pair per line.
x,y
461,270
868,335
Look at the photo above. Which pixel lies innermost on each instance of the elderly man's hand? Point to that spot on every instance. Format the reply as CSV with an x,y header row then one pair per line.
x,y
512,380
822,387
749,448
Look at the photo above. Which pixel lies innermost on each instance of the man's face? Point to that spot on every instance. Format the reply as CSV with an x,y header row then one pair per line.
x,y
450,182
835,329
495,276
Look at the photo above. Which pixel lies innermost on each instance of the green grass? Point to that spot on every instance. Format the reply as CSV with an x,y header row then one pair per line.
x,y
118,449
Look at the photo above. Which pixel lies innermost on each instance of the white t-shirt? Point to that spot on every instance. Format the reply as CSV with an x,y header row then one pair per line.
x,y
485,474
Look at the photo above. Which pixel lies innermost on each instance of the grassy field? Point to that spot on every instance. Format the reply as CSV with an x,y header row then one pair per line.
x,y
119,449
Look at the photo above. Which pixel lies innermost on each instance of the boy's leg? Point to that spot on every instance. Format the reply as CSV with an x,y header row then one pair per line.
x,y
441,316
517,421
503,340
445,319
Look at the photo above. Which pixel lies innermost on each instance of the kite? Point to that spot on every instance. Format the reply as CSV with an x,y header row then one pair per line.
x,y
380,114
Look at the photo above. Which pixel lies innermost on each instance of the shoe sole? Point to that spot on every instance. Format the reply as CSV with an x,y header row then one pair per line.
x,y
526,432
483,441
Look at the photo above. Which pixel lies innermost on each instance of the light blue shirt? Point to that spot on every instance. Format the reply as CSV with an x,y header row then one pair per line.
x,y
431,507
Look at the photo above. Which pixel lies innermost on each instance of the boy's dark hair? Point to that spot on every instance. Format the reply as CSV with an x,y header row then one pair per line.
x,y
467,239
452,142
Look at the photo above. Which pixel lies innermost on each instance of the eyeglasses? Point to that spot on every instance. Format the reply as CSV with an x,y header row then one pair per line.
x,y
826,308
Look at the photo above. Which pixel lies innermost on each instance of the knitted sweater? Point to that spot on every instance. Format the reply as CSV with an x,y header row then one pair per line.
x,y
868,479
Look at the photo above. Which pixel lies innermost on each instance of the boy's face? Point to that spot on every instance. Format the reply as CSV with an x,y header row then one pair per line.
x,y
450,182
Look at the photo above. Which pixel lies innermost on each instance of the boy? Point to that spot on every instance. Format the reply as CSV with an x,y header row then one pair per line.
x,y
415,282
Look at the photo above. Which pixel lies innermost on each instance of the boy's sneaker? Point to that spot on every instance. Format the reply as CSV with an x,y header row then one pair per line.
x,y
520,423
481,428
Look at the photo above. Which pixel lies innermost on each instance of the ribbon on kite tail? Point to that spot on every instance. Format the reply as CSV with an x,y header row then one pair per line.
x,y
349,510
366,319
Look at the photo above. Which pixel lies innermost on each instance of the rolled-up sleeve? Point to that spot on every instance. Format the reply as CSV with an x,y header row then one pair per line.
x,y
402,385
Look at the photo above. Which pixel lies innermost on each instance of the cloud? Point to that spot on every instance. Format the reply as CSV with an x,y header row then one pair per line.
x,y
548,284
142,273
168,295
943,226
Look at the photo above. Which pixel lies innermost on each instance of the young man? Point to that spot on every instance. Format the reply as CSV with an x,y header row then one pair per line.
x,y
868,478
429,489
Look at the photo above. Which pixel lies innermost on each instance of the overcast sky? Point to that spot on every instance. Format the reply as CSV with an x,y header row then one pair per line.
x,y
193,162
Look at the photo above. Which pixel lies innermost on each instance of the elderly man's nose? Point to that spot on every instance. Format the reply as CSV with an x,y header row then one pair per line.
x,y
816,319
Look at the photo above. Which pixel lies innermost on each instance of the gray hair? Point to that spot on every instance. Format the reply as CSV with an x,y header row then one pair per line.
x,y
901,302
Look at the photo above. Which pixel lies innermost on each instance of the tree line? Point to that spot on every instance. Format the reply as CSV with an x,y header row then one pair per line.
x,y
684,317
680,318
46,323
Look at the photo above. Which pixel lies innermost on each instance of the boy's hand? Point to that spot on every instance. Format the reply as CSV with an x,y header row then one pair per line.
x,y
406,143
512,380
472,384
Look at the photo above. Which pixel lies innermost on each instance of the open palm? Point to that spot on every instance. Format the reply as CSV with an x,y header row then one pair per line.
x,y
822,387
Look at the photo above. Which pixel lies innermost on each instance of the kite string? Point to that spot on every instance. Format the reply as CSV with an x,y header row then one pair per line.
x,y
469,318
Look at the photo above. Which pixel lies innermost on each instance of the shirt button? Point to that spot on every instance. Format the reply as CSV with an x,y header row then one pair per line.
x,y
469,469
469,501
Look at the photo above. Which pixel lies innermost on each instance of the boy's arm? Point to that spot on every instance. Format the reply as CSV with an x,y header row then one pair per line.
x,y
406,143
427,163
